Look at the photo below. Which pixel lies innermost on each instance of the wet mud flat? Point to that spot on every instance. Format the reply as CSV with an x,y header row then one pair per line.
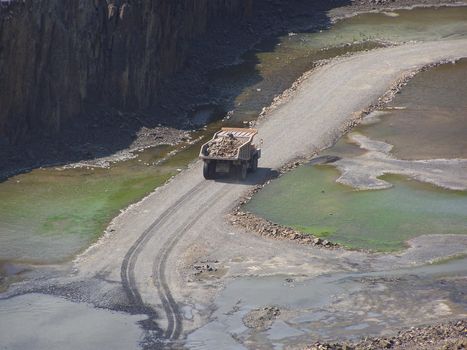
x,y
295,311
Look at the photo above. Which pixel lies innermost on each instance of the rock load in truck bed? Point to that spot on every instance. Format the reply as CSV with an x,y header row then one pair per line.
x,y
224,147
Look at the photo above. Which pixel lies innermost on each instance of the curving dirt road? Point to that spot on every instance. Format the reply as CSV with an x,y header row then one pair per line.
x,y
155,242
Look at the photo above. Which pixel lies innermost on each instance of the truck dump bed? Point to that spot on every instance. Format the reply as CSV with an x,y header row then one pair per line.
x,y
229,144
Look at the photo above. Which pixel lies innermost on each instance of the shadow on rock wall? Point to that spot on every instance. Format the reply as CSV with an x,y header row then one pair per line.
x,y
80,78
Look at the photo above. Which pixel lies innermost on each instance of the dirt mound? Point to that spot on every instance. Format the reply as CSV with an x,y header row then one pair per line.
x,y
261,319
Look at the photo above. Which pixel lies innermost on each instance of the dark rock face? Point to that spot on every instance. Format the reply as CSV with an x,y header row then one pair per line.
x,y
58,56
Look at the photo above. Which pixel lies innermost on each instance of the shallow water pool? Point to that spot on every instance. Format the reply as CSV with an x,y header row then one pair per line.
x,y
310,200
36,321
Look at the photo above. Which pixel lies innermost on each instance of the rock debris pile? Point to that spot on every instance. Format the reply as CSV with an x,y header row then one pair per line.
x,y
446,336
199,269
224,147
261,319
269,229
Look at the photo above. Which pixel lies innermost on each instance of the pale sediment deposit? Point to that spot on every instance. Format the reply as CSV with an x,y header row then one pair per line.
x,y
363,172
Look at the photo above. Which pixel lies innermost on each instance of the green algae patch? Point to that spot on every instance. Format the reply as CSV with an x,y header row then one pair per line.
x,y
310,200
49,215
321,232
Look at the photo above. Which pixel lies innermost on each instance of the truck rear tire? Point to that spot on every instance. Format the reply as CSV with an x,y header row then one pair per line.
x,y
254,164
209,170
242,170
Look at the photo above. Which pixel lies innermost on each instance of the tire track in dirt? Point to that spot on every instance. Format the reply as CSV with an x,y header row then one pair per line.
x,y
129,261
175,326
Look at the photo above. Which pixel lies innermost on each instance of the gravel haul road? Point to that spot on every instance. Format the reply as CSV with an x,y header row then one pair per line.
x,y
153,243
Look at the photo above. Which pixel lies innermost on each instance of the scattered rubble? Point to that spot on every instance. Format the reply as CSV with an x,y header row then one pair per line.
x,y
207,270
204,267
261,319
444,336
268,229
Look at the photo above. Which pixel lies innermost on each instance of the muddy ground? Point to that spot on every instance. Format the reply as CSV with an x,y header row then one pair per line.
x,y
102,132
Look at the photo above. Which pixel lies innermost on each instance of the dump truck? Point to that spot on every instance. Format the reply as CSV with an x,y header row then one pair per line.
x,y
230,151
